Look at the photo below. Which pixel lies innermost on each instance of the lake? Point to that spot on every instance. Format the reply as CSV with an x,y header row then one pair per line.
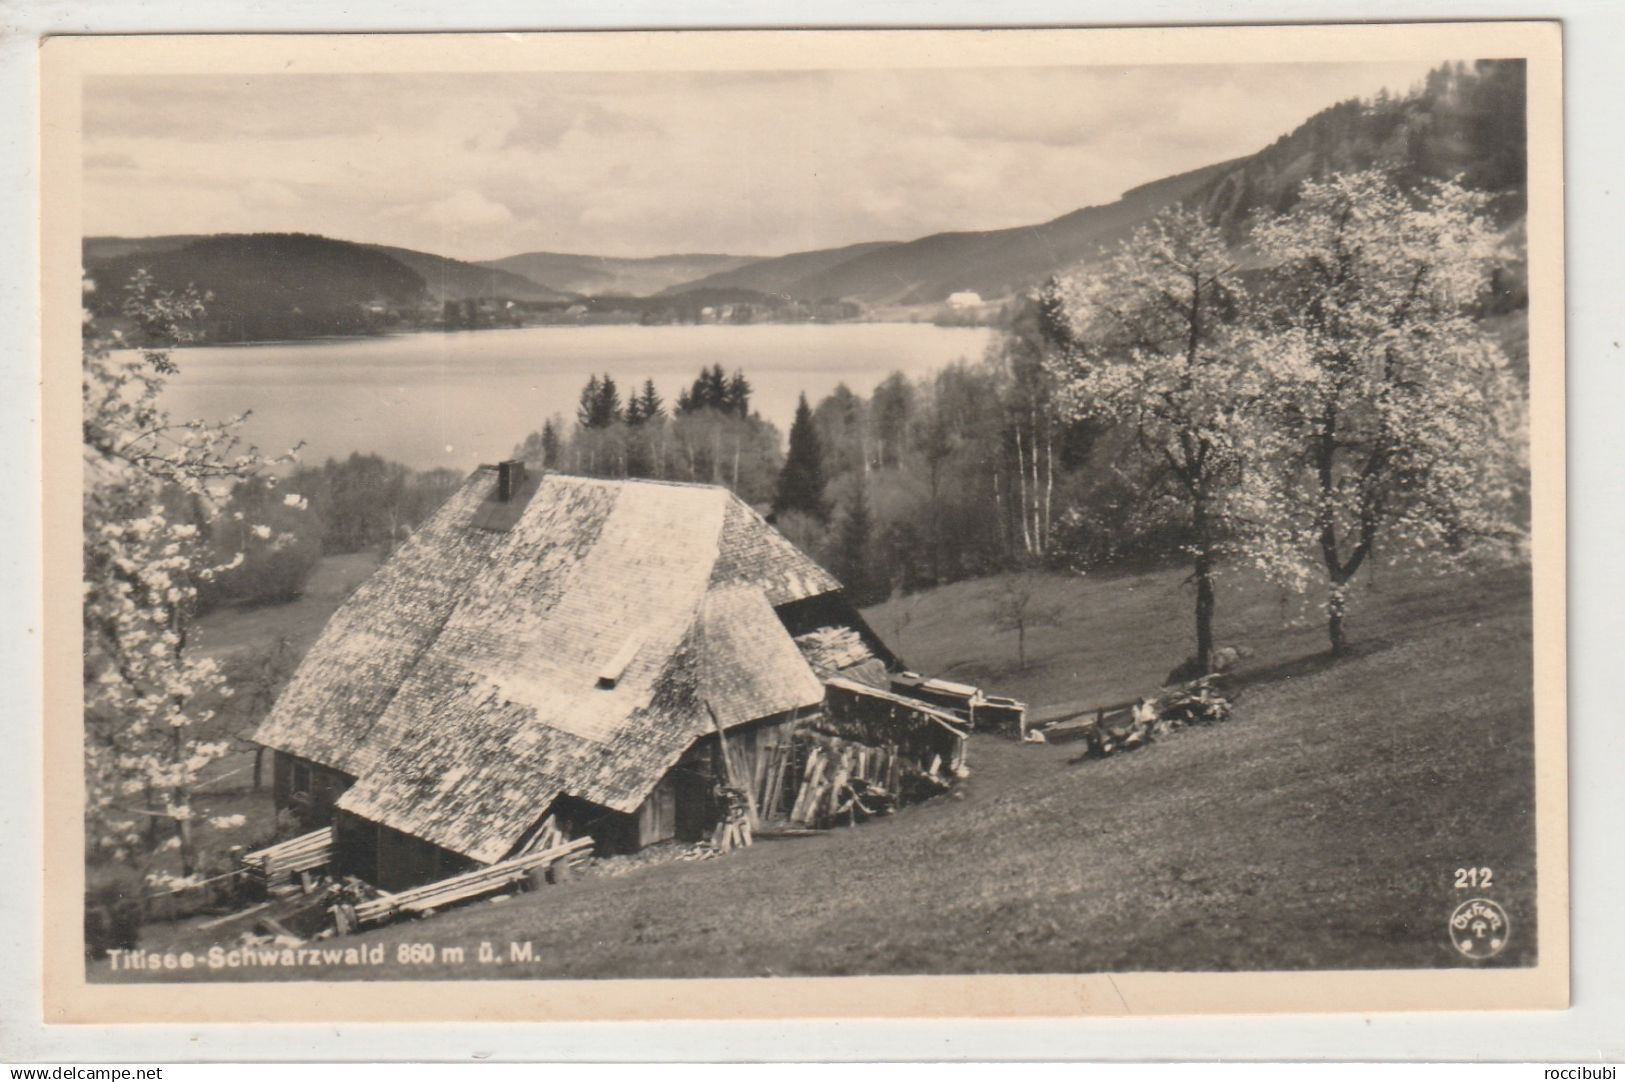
x,y
461,398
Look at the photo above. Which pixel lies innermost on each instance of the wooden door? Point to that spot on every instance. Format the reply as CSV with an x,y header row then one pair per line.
x,y
657,818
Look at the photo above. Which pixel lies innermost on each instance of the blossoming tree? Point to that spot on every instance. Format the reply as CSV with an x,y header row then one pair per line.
x,y
144,692
1153,348
1387,415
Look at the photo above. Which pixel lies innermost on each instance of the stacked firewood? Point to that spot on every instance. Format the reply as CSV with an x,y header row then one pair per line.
x,y
733,831
341,901
820,780
272,870
1197,703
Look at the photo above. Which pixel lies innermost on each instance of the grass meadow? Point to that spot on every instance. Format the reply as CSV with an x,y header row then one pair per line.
x,y
1319,828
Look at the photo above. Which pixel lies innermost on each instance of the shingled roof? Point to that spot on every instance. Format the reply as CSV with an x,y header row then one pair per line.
x,y
497,661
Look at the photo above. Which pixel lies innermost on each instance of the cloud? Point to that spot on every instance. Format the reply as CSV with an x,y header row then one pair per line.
x,y
543,124
632,163
462,209
539,126
211,109
270,195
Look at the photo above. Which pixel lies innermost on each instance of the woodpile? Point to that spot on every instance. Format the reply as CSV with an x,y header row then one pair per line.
x,y
834,649
660,853
459,888
343,898
547,835
274,869
1127,726
882,719
818,780
734,830
1197,703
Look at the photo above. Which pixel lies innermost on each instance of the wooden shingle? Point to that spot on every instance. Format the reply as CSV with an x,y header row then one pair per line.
x,y
462,685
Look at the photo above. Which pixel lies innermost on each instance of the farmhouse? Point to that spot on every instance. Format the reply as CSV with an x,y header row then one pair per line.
x,y
604,653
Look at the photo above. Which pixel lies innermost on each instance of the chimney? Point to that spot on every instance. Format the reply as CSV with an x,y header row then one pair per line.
x,y
510,475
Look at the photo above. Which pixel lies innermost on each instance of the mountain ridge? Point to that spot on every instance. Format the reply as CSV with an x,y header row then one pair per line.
x,y
456,279
1461,121
268,286
777,274
616,275
993,263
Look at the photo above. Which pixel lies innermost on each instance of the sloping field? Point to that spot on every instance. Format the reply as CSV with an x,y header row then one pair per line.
x,y
1320,828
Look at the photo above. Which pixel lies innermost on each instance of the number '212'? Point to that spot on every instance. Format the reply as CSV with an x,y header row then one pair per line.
x,y
1474,878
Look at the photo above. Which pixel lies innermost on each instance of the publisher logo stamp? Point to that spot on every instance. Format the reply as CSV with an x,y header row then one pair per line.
x,y
1479,928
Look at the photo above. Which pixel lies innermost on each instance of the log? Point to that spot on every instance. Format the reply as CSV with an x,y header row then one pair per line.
x,y
728,764
217,921
467,885
761,770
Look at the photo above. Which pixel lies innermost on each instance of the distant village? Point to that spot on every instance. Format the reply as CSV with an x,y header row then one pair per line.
x,y
962,308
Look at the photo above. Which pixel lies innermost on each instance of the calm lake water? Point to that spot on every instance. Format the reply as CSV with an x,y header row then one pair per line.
x,y
458,399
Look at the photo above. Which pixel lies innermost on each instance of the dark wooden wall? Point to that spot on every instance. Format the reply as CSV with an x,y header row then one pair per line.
x,y
389,859
657,818
684,806
309,790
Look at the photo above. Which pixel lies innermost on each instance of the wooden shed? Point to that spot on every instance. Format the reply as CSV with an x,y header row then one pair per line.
x,y
550,644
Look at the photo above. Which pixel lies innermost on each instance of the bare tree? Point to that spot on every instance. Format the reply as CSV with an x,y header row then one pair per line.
x,y
1020,603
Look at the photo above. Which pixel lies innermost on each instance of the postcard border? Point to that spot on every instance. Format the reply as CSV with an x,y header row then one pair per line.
x,y
69,998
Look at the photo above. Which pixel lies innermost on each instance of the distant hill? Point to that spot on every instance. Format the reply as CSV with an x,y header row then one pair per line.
x,y
599,275
994,263
1466,121
781,274
99,249
267,286
1463,121
452,279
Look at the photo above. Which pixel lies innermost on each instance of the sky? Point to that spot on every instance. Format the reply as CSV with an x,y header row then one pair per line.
x,y
644,163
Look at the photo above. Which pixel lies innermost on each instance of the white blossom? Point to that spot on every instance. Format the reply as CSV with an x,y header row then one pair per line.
x,y
143,691
1154,350
1387,415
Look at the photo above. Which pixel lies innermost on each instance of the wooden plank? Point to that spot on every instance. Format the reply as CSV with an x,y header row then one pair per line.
x,y
779,770
216,922
760,765
466,885
728,765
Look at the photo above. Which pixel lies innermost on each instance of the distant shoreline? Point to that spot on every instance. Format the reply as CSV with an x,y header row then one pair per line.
x,y
319,339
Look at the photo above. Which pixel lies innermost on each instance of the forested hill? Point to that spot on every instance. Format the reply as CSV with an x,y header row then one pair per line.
x,y
100,249
267,286
614,275
993,263
1466,121
1463,121
452,279
782,274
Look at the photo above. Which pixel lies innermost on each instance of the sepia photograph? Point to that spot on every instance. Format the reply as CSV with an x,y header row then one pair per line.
x,y
594,510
